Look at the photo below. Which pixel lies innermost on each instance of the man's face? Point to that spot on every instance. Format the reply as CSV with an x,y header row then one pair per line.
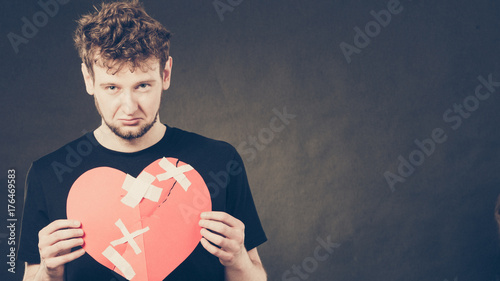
x,y
127,101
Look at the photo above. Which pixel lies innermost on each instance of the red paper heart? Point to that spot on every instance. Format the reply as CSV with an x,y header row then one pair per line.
x,y
95,199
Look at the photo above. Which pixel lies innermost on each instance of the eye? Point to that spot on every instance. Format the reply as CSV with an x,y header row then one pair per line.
x,y
143,87
111,88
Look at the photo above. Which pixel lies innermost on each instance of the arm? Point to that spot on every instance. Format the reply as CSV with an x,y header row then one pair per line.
x,y
30,271
252,271
228,233
55,243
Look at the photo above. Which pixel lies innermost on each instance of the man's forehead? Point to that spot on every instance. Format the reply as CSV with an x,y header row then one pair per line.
x,y
119,68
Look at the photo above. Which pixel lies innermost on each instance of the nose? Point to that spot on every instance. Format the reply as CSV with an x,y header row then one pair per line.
x,y
128,103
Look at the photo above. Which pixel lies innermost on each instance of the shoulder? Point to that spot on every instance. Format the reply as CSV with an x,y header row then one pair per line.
x,y
205,154
68,154
199,143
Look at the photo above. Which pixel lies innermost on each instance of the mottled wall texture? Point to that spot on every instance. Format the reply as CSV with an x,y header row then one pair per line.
x,y
369,129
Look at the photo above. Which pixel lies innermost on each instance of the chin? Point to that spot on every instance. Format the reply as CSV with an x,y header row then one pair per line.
x,y
131,132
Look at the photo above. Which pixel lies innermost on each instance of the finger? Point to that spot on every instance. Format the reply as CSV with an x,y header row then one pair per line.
x,y
222,217
226,244
60,248
63,259
218,227
220,253
61,235
59,224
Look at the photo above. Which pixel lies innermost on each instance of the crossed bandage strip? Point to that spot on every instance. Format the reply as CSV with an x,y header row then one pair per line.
x,y
114,257
142,187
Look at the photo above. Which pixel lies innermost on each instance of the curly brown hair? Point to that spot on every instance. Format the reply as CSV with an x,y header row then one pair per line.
x,y
121,33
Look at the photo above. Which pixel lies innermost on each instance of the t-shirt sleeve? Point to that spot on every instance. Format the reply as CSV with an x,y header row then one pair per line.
x,y
240,203
34,218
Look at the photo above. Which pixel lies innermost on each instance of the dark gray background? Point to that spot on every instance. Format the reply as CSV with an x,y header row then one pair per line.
x,y
322,176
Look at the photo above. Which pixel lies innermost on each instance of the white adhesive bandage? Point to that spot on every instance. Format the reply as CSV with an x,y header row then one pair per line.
x,y
115,258
138,188
175,172
128,237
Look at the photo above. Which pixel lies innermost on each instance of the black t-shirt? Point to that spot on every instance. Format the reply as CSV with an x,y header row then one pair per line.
x,y
51,177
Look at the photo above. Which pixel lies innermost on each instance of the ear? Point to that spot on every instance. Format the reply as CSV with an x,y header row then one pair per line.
x,y
167,73
89,82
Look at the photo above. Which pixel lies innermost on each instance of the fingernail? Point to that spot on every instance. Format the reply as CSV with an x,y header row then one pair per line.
x,y
76,223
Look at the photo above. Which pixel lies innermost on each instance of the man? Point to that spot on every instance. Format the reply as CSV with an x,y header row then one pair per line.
x,y
126,66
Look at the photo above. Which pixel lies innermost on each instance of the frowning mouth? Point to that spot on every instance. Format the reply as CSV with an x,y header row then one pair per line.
x,y
130,121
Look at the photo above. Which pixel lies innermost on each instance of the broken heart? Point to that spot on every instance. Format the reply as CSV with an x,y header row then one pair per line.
x,y
144,227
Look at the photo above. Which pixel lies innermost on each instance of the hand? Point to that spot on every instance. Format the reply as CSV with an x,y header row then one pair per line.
x,y
55,242
225,231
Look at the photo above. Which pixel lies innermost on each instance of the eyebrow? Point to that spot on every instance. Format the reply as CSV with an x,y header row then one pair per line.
x,y
107,84
146,81
138,83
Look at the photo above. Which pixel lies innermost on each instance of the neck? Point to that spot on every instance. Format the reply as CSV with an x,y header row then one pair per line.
x,y
109,140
